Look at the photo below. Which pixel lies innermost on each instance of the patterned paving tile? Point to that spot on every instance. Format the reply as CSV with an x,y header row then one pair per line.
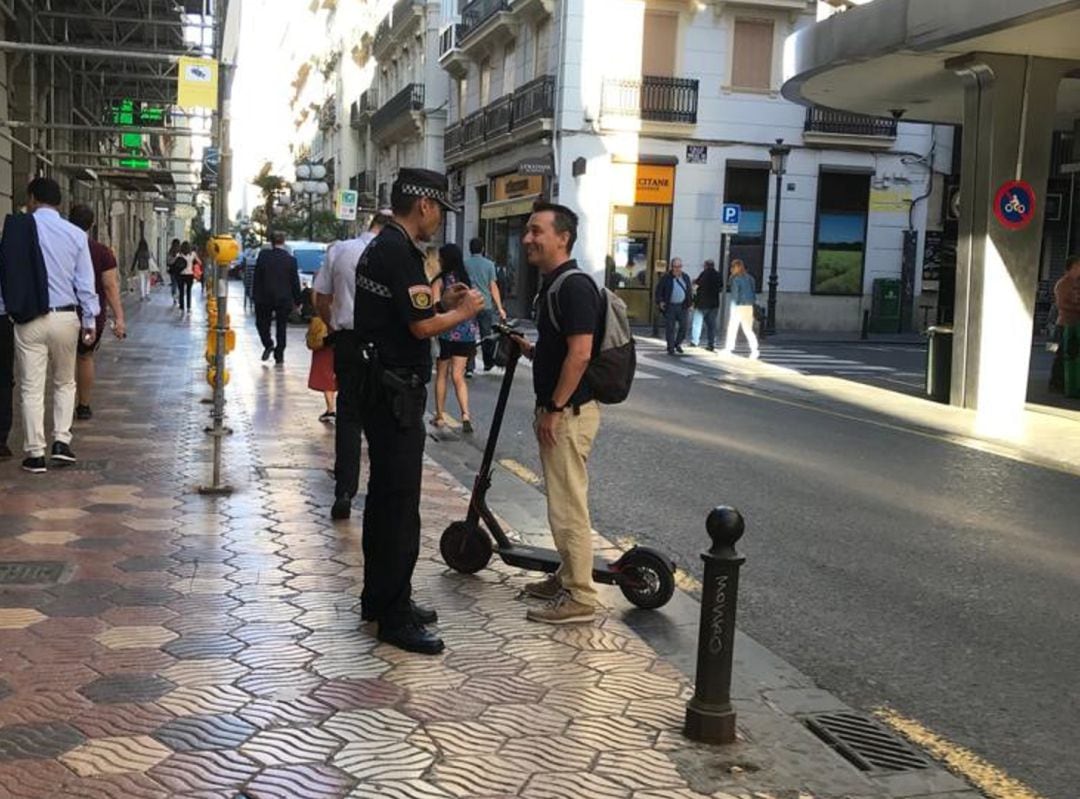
x,y
358,694
147,596
276,654
518,721
548,754
40,741
383,760
115,755
644,768
486,775
19,618
146,563
48,537
302,712
370,725
300,782
399,789
216,671
461,738
222,731
292,745
117,688
204,700
208,773
279,683
203,646
151,637
112,786
345,664
573,785
116,721
610,733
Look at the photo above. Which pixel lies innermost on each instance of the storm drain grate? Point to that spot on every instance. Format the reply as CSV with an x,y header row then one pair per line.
x,y
864,742
30,572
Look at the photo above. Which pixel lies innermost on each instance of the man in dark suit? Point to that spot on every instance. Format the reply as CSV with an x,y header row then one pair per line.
x,y
276,291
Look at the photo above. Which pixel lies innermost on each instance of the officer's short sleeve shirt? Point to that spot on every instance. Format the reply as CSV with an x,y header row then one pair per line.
x,y
392,291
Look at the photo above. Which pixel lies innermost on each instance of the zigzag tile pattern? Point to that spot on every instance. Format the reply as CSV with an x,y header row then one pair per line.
x,y
211,648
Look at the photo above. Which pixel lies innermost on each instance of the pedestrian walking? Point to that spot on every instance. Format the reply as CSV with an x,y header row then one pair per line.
x,y
141,266
567,417
7,378
743,296
321,374
49,340
484,278
395,317
457,346
707,301
1067,301
276,290
185,277
674,296
107,287
173,266
335,301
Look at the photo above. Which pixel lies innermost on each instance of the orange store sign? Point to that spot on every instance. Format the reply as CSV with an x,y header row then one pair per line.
x,y
655,185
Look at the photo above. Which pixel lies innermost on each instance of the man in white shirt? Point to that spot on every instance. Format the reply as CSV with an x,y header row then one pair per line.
x,y
335,292
53,337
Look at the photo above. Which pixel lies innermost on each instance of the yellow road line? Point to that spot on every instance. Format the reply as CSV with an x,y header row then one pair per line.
x,y
521,470
993,782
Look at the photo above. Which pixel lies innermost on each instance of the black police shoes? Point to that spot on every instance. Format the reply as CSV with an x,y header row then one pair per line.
x,y
420,614
412,638
341,509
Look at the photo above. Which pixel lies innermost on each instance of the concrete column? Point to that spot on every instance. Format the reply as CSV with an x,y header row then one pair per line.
x,y
1009,107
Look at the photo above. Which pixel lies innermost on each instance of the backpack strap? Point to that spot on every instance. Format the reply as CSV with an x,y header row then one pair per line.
x,y
553,294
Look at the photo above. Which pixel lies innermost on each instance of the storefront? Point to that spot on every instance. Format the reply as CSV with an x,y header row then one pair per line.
x,y
641,198
503,221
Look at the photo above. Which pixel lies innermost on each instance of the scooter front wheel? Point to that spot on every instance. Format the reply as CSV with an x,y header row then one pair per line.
x,y
647,578
465,548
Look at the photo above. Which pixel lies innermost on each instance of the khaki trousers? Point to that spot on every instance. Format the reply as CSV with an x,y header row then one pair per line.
x,y
48,340
567,481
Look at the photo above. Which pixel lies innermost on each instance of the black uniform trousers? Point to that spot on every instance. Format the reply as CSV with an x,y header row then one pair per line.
x,y
280,314
347,425
7,374
391,540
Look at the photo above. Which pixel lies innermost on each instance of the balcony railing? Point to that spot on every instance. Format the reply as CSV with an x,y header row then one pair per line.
x,y
365,182
653,98
402,11
533,101
841,123
411,98
328,114
360,111
448,39
477,13
497,117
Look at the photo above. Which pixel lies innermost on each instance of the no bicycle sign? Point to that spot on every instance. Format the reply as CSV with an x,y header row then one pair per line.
x,y
1014,205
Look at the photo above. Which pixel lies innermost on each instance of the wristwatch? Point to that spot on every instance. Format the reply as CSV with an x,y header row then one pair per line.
x,y
551,407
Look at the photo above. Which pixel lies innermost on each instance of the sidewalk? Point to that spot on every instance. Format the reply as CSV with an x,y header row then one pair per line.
x,y
196,647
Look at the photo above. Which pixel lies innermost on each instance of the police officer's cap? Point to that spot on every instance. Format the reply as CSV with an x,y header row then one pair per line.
x,y
425,183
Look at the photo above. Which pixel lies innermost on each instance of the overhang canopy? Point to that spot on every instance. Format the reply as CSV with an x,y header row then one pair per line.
x,y
890,56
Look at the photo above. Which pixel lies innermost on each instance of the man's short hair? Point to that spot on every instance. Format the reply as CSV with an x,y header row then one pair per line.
x,y
82,216
380,220
402,204
476,246
1071,261
45,190
277,237
566,221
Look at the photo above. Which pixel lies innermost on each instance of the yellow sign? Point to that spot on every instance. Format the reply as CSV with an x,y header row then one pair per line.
x,y
890,200
197,83
224,250
655,185
511,187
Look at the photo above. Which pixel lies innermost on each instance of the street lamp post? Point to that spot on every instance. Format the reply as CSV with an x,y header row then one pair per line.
x,y
310,181
778,156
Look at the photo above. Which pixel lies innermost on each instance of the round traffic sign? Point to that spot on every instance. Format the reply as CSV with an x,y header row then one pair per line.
x,y
1014,205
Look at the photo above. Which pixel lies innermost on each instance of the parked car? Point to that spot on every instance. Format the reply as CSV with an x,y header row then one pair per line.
x,y
310,256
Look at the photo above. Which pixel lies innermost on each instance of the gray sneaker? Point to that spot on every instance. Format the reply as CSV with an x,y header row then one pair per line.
x,y
548,588
562,610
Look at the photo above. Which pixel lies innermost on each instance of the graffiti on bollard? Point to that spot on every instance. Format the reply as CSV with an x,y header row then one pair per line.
x,y
710,717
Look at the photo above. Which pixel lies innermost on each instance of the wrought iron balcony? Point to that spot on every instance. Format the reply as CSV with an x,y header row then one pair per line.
x,y
498,117
386,120
841,123
452,139
534,100
476,13
361,110
652,98
473,130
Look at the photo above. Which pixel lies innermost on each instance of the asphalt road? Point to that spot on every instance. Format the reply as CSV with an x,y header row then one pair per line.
x,y
893,568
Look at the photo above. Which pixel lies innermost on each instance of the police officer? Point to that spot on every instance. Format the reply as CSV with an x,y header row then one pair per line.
x,y
395,315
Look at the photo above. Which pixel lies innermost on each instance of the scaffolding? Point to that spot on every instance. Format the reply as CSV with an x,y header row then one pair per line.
x,y
89,98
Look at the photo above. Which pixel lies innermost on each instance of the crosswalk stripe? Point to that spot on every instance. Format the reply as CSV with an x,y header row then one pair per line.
x,y
682,371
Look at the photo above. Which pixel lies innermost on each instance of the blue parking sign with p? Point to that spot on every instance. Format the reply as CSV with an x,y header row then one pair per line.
x,y
731,214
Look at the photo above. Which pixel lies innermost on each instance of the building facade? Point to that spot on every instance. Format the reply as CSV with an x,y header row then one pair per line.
x,y
647,138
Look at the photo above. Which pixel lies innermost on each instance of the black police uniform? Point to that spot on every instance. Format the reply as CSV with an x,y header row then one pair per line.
x,y
391,292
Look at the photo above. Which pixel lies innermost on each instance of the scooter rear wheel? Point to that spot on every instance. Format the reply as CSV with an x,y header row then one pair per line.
x,y
647,578
465,548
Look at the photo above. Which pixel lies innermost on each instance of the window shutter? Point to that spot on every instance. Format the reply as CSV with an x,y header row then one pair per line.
x,y
752,59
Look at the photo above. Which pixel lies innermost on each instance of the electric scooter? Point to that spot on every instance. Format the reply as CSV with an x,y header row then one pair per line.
x,y
645,576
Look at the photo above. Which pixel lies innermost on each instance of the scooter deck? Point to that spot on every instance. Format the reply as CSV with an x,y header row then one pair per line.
x,y
540,559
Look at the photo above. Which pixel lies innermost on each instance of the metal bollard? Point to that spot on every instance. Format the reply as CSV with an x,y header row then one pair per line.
x,y
709,715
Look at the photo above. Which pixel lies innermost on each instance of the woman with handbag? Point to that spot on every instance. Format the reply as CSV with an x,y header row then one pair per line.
x,y
321,376
456,345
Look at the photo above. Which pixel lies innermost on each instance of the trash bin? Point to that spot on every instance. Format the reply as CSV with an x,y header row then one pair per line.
x,y
885,306
939,363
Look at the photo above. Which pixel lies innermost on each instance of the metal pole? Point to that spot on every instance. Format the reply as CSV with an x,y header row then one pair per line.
x,y
770,319
93,52
311,217
16,124
724,254
710,716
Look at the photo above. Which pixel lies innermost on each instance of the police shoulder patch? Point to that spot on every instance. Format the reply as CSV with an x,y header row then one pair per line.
x,y
421,297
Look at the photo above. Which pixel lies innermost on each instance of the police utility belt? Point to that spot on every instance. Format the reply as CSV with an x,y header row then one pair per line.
x,y
401,389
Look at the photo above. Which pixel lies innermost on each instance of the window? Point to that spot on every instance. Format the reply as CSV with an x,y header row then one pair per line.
x,y
748,187
509,64
752,55
659,44
541,35
485,82
462,97
840,239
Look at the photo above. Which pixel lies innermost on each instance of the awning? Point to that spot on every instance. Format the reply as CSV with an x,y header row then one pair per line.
x,y
518,206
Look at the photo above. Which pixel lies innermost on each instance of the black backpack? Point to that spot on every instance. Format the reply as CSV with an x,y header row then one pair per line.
x,y
610,373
